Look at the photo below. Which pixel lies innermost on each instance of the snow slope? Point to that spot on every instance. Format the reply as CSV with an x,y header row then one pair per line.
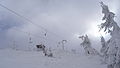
x,y
32,59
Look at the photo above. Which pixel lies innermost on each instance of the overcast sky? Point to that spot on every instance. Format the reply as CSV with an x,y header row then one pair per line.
x,y
59,19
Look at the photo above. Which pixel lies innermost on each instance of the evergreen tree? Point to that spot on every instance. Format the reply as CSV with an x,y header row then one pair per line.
x,y
104,49
87,46
113,45
103,43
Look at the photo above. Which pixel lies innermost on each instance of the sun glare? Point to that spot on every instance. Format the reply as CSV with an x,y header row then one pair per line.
x,y
94,31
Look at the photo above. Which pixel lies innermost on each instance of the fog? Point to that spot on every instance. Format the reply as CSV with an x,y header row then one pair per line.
x,y
58,19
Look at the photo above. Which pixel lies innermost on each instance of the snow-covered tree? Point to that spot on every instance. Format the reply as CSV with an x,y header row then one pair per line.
x,y
87,46
103,43
113,45
48,52
104,48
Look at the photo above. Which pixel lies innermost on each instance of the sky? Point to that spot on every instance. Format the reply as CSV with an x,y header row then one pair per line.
x,y
58,19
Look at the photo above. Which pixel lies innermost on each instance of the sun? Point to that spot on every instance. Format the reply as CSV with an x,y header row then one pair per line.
x,y
94,31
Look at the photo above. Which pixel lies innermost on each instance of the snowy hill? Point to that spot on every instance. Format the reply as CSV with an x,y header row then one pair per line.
x,y
32,59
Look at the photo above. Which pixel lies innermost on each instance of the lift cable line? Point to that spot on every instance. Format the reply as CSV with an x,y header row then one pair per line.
x,y
23,17
29,21
28,33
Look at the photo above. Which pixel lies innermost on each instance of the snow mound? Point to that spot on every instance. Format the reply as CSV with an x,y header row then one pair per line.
x,y
32,59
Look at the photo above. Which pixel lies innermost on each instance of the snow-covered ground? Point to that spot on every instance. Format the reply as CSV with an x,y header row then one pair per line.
x,y
32,59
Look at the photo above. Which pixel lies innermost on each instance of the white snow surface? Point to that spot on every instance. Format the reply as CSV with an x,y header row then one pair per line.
x,y
10,58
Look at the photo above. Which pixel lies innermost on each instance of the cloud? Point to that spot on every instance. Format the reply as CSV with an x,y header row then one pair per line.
x,y
62,19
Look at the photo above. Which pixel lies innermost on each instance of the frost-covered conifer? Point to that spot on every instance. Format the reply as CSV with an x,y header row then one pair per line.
x,y
87,46
113,45
103,43
104,49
